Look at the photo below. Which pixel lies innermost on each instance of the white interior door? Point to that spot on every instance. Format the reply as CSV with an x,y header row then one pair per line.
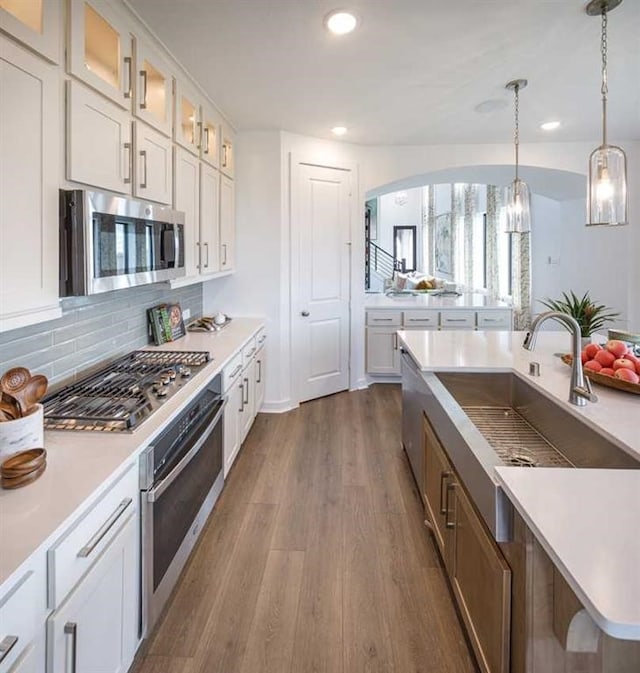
x,y
320,275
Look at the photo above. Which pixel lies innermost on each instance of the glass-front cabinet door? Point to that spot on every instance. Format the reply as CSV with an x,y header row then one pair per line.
x,y
100,50
36,23
154,89
210,145
187,125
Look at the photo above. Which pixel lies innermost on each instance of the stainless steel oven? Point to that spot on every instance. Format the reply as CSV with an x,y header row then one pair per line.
x,y
109,242
181,477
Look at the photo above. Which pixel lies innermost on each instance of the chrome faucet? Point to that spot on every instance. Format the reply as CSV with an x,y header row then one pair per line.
x,y
580,388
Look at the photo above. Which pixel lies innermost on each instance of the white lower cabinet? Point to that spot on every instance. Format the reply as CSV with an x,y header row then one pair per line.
x,y
28,662
95,628
260,369
232,423
383,355
248,405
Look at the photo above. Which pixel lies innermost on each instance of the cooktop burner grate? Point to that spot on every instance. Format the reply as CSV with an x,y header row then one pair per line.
x,y
515,440
123,394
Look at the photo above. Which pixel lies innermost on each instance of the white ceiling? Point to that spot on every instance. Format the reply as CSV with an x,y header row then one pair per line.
x,y
413,72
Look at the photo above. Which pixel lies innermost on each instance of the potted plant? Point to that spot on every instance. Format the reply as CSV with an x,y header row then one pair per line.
x,y
590,316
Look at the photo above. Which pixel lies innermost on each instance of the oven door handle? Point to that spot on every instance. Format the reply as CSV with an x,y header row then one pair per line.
x,y
163,485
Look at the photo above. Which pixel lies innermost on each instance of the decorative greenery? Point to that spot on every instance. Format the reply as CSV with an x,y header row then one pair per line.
x,y
590,316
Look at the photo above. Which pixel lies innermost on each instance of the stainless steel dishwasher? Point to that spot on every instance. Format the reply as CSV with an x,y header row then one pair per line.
x,y
414,392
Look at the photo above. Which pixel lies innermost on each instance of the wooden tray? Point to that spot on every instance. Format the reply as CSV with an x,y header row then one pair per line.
x,y
603,380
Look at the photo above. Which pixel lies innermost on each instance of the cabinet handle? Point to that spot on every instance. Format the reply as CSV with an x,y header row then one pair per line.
x,y
104,529
128,70
259,379
6,646
206,247
224,257
251,352
383,320
143,156
455,320
443,477
395,341
71,633
235,371
200,133
143,102
447,523
199,255
206,140
225,149
241,409
246,388
127,149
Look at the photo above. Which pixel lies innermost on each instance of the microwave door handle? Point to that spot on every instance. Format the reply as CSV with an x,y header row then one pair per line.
x,y
168,247
154,494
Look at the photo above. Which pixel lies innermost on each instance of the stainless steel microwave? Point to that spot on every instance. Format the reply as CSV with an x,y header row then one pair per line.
x,y
109,242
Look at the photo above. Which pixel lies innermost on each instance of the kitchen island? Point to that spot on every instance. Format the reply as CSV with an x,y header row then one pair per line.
x,y
585,520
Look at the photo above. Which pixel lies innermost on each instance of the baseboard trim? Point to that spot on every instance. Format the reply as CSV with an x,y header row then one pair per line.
x,y
279,407
384,379
360,384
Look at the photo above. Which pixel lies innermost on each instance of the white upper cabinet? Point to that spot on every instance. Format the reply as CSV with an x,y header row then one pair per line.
x,y
227,150
99,149
36,23
29,182
153,89
209,219
154,165
210,143
227,224
99,50
187,123
186,197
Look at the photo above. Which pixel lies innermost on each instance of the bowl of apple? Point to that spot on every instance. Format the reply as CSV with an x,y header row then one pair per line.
x,y
613,364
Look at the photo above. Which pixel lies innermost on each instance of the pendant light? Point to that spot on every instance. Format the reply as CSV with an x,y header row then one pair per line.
x,y
607,189
517,196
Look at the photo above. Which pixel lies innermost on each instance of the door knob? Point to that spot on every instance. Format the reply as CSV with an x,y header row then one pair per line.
x,y
305,314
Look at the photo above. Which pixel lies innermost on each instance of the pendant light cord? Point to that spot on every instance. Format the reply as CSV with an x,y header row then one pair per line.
x,y
604,90
516,134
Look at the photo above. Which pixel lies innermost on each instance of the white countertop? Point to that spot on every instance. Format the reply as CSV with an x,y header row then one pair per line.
x,y
468,300
587,520
81,464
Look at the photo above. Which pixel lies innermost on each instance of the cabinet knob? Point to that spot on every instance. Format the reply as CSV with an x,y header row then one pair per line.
x,y
305,314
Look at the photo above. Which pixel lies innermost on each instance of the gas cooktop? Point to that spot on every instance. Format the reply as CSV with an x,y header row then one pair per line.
x,y
121,396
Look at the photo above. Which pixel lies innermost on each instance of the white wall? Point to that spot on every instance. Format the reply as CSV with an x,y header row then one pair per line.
x,y
393,212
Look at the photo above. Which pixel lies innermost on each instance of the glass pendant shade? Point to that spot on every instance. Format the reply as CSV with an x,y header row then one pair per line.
x,y
518,201
607,190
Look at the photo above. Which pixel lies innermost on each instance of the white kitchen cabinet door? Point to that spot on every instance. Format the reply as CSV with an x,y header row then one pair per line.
x,y
227,150
186,197
248,406
154,165
232,414
383,354
37,23
227,224
95,628
154,89
29,182
210,142
99,149
99,50
260,369
187,123
209,219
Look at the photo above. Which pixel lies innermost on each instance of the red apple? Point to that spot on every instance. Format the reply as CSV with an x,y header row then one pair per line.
x,y
632,357
637,367
592,349
607,371
605,358
627,375
594,365
623,363
618,348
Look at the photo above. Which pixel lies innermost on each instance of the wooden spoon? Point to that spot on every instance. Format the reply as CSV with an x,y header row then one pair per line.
x,y
13,383
34,391
9,407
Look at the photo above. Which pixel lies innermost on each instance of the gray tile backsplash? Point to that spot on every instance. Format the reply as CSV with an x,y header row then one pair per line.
x,y
91,331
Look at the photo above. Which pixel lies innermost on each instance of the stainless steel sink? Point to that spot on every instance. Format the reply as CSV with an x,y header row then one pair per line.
x,y
486,420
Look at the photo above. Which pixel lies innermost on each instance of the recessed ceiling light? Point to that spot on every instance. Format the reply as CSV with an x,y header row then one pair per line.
x,y
340,22
550,126
339,130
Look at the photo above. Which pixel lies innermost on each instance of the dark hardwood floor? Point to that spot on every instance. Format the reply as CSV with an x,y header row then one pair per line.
x,y
316,558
